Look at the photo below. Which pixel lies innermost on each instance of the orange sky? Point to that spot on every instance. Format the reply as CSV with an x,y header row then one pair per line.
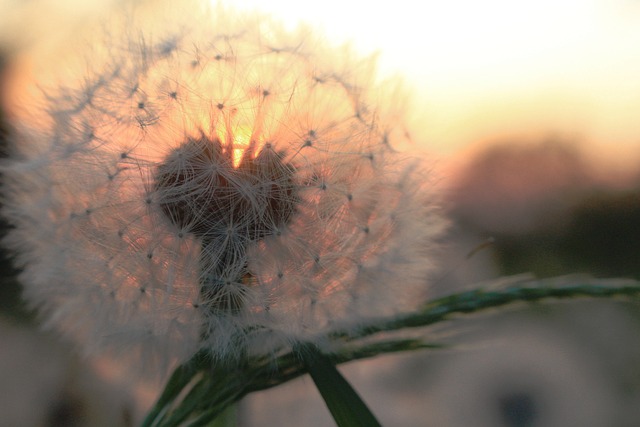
x,y
499,69
479,71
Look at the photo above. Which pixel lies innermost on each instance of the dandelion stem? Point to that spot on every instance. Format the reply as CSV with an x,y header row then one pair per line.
x,y
226,387
346,406
228,418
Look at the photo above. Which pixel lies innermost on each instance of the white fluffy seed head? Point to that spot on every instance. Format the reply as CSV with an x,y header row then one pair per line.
x,y
219,184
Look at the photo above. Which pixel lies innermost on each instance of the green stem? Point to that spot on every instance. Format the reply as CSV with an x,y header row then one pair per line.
x,y
346,406
480,300
218,386
228,417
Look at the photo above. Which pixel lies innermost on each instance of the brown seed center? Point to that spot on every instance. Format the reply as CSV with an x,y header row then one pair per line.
x,y
227,207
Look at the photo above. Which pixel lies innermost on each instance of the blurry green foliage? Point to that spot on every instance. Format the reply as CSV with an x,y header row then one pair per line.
x,y
601,237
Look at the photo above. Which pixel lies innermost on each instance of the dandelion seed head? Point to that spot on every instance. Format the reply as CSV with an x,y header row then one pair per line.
x,y
225,185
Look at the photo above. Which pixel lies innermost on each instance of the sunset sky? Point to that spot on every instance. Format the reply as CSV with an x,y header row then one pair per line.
x,y
499,70
480,72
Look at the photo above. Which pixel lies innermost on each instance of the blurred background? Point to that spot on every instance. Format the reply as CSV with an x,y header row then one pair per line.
x,y
529,113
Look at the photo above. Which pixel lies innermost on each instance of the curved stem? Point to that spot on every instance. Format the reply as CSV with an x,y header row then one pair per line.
x,y
222,387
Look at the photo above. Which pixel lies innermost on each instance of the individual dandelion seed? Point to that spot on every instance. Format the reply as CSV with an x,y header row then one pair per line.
x,y
223,185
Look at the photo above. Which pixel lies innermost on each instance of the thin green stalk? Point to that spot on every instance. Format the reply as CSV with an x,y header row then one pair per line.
x,y
344,403
478,300
223,387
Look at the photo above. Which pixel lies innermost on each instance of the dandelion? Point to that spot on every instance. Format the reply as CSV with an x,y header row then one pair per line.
x,y
218,184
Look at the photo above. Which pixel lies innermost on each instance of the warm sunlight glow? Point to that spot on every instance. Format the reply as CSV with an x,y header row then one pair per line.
x,y
241,142
499,70
479,72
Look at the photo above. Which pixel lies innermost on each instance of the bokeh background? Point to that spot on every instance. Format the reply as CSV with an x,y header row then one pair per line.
x,y
528,111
